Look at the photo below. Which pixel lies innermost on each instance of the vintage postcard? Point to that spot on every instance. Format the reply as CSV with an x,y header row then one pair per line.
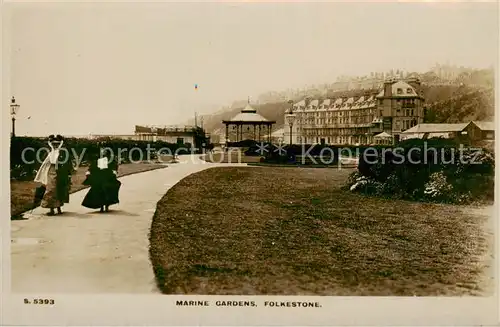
x,y
249,163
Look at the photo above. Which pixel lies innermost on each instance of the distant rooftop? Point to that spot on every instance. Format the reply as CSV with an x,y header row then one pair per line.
x,y
447,128
436,128
485,125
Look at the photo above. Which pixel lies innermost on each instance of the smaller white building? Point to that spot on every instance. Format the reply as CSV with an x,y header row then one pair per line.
x,y
278,136
169,134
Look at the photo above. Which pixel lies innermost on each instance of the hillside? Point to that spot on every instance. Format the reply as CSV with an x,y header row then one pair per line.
x,y
469,97
464,106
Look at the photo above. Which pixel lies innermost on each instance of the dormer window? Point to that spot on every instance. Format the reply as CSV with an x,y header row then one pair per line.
x,y
400,91
409,91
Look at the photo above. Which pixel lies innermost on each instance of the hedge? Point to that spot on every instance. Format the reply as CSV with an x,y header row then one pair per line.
x,y
26,168
306,153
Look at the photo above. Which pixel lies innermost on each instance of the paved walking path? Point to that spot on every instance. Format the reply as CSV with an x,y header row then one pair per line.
x,y
85,251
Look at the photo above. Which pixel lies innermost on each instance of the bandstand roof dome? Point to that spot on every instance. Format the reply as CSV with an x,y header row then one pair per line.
x,y
249,115
249,108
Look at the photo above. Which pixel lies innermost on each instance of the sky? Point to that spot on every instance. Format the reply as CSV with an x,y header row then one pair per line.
x,y
101,68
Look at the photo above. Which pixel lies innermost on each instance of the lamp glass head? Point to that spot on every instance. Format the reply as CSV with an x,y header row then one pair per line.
x,y
290,119
14,107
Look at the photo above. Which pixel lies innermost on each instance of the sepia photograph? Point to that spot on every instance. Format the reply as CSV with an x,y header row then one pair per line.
x,y
296,163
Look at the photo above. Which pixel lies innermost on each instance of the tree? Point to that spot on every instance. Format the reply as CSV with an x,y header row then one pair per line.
x,y
200,138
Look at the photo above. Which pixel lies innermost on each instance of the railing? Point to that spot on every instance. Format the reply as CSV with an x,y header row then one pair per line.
x,y
336,125
152,129
376,130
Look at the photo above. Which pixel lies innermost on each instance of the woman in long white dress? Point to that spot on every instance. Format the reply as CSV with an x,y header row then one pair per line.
x,y
55,174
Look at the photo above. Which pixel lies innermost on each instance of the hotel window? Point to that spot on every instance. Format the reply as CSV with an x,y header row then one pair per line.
x,y
412,112
400,91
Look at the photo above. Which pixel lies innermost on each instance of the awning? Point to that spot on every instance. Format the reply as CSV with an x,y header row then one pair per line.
x,y
383,135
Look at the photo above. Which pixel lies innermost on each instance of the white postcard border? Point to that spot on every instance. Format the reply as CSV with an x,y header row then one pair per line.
x,y
129,309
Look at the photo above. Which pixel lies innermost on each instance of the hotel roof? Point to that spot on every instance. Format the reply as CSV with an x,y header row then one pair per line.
x,y
400,89
327,102
314,102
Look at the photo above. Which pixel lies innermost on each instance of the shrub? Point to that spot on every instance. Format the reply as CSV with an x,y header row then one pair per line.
x,y
438,188
290,153
432,170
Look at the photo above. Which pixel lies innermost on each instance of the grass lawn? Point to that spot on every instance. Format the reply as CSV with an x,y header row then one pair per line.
x,y
261,230
22,192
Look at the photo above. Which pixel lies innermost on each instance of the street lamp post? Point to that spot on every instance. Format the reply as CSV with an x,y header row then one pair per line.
x,y
14,108
290,119
154,132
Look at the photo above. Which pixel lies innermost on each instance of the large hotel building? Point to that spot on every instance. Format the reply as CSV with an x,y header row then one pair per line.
x,y
384,113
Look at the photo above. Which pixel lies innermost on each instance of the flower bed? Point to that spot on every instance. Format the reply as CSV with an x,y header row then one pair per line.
x,y
432,170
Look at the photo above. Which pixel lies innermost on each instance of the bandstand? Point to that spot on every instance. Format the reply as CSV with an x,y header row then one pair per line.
x,y
255,124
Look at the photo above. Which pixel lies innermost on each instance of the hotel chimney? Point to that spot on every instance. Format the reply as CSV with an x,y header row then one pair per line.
x,y
388,88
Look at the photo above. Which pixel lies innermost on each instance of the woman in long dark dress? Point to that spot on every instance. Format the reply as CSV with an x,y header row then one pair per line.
x,y
55,175
104,185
